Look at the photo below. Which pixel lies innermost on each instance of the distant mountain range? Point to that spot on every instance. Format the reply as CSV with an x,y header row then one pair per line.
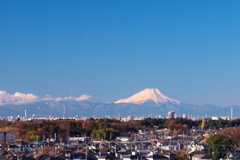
x,y
149,102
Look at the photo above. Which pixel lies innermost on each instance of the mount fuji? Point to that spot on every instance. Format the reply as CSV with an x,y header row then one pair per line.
x,y
147,95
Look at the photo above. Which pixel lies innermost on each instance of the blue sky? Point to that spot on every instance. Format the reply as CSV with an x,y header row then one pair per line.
x,y
110,50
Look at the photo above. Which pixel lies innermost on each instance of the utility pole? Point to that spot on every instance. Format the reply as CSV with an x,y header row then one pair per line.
x,y
55,137
68,138
55,151
86,152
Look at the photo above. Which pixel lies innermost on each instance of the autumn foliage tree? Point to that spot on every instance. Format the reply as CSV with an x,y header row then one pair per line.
x,y
45,150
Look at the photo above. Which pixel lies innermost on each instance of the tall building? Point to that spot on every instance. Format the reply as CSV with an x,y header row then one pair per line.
x,y
184,116
171,114
7,137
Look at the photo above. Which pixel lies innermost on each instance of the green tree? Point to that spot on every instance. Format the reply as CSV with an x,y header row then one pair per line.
x,y
54,129
32,138
32,128
105,133
219,145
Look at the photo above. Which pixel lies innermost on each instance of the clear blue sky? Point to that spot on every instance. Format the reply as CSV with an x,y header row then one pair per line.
x,y
112,49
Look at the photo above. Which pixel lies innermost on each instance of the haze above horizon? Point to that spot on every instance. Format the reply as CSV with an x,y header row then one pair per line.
x,y
111,50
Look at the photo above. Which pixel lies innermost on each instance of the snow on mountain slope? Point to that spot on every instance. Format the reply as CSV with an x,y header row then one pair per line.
x,y
148,94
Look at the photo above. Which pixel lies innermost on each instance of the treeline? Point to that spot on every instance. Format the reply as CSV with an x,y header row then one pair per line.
x,y
220,144
216,124
106,128
196,124
95,128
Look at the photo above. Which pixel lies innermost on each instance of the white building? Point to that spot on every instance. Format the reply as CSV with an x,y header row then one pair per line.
x,y
7,137
126,119
216,118
76,139
171,114
184,116
124,139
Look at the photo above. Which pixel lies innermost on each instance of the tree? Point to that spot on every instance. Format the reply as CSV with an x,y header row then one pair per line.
x,y
105,133
54,129
32,138
181,155
45,150
203,124
219,145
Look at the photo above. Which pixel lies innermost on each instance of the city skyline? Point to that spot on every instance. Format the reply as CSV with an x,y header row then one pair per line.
x,y
113,49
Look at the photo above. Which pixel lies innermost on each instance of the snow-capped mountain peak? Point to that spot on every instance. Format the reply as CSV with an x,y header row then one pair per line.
x,y
148,94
